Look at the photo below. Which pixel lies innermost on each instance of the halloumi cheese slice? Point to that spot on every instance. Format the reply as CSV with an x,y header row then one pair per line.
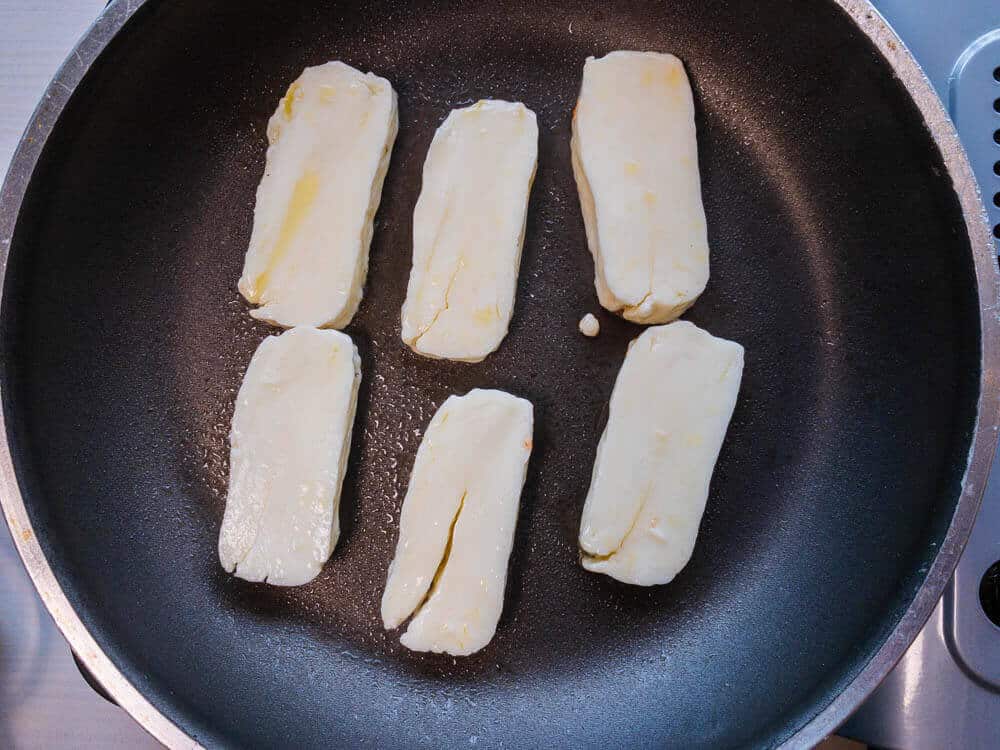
x,y
468,230
669,412
635,159
456,528
330,141
290,437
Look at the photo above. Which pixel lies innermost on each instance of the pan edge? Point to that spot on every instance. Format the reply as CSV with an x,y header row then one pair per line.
x,y
983,444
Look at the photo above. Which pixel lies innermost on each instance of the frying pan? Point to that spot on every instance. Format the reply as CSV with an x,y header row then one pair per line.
x,y
849,257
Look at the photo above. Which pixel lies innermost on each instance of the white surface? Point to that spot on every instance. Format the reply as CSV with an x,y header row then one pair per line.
x,y
329,145
457,524
44,703
289,442
669,412
468,230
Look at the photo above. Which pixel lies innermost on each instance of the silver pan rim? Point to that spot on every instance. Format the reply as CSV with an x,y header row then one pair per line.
x,y
983,446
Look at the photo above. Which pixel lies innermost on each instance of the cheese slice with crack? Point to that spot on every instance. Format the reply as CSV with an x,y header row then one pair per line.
x,y
669,412
290,437
457,524
468,230
330,140
635,160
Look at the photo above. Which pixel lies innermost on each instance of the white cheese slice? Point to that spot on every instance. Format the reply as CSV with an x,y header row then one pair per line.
x,y
291,433
635,159
669,411
468,229
330,141
456,528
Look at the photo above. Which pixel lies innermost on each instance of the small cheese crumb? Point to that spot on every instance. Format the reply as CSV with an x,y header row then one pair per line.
x,y
589,325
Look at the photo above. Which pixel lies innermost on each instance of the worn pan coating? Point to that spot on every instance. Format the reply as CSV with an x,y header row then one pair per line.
x,y
848,257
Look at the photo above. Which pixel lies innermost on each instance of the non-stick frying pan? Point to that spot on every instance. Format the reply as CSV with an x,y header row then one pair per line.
x,y
849,257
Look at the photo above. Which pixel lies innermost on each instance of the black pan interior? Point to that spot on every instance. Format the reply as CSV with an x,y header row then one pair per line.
x,y
839,261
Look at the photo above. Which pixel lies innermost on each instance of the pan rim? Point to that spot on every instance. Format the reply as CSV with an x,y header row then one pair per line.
x,y
983,445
